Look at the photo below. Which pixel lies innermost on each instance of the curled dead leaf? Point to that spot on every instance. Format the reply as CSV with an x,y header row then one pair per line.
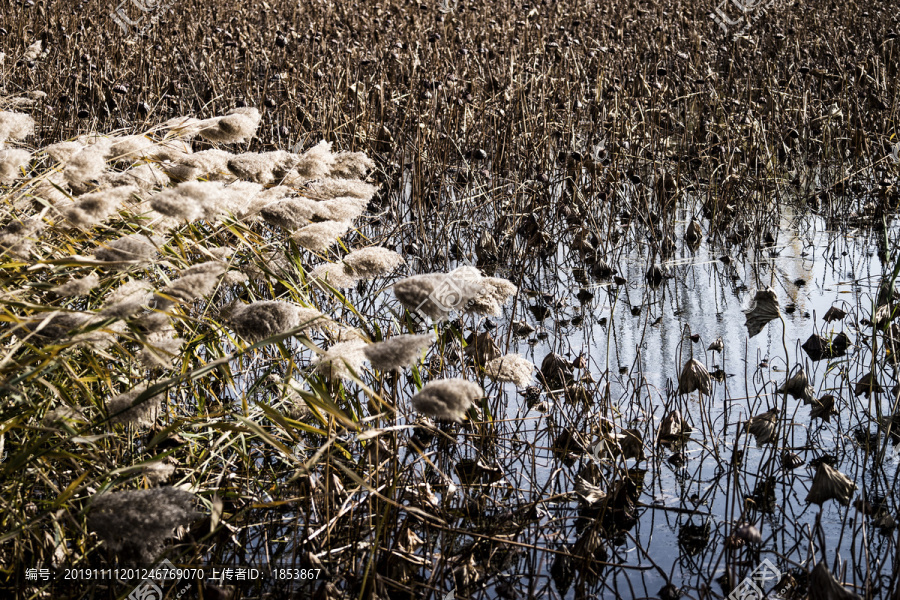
x,y
763,309
694,377
830,484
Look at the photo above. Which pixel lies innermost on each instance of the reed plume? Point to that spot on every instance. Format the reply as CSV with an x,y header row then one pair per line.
x,y
262,167
77,287
127,149
15,126
336,275
94,207
318,237
207,164
192,283
160,347
289,213
145,177
351,165
341,359
12,162
337,188
127,299
122,409
316,162
62,152
511,368
397,352
136,523
260,320
85,169
372,261
134,248
237,126
17,237
447,399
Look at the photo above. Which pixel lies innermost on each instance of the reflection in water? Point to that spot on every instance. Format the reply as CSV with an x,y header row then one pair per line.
x,y
634,362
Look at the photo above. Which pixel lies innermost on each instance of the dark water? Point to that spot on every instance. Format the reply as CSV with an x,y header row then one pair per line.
x,y
684,513
640,357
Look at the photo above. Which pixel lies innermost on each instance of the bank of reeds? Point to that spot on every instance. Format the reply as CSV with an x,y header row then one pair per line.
x,y
212,327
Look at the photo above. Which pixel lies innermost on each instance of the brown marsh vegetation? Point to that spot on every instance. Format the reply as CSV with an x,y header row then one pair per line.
x,y
193,311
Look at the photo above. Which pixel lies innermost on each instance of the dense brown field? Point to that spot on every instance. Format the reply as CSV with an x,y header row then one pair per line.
x,y
595,160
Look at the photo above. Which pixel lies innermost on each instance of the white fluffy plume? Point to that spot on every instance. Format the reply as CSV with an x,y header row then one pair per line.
x,y
447,399
15,126
11,163
94,207
237,126
510,368
318,237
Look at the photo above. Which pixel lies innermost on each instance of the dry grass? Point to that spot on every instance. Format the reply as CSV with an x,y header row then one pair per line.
x,y
529,139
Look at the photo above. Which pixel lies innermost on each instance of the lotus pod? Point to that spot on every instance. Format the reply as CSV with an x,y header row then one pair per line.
x,y
693,538
883,315
631,442
482,348
578,394
884,521
830,484
749,533
601,269
694,377
839,344
475,471
569,441
655,275
590,547
891,424
591,494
